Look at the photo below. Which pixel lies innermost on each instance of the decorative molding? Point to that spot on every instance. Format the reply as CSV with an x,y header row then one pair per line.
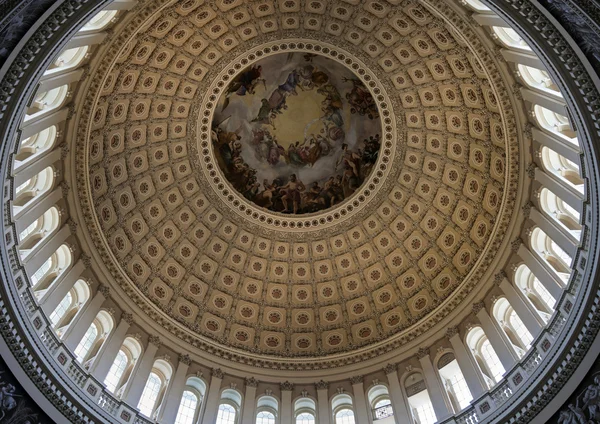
x,y
321,385
217,373
358,379
422,352
286,385
251,382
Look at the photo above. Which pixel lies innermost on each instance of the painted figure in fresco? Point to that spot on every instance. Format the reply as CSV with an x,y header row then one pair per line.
x,y
264,114
244,83
292,190
7,399
360,99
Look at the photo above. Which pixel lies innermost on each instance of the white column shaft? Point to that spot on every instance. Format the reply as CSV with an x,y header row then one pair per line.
x,y
36,125
363,411
557,233
135,385
286,407
485,19
471,373
212,401
401,413
550,102
568,194
250,405
530,318
435,389
564,148
31,169
523,58
498,339
80,40
40,254
324,410
55,294
109,350
82,322
547,277
24,217
174,393
50,81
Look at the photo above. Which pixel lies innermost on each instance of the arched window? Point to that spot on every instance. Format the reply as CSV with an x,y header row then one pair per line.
x,y
535,292
265,417
61,309
510,38
101,20
538,79
556,124
551,253
567,171
94,337
231,403
227,414
267,408
34,188
560,212
512,326
454,382
343,410
485,356
379,400
154,389
189,407
123,365
418,399
345,416
87,342
305,411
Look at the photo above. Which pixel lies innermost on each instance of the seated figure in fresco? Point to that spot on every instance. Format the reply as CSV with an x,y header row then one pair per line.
x,y
244,83
361,100
313,199
292,191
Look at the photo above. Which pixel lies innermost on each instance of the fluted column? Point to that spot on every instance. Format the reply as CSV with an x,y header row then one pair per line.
x,y
498,339
175,391
286,415
30,169
81,323
531,319
362,409
65,282
465,362
434,386
401,412
24,217
109,350
144,368
567,194
323,402
36,125
560,235
250,401
564,148
212,399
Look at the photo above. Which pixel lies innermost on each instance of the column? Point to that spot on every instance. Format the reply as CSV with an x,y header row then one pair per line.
x,y
286,415
135,385
109,350
550,102
175,391
498,339
524,58
323,402
80,40
567,194
80,324
250,401
212,399
121,5
35,125
363,411
465,362
56,293
548,279
531,319
552,141
401,412
558,234
24,217
434,386
40,254
26,170
489,19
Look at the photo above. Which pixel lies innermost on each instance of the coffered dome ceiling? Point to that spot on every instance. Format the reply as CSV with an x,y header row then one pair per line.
x,y
195,104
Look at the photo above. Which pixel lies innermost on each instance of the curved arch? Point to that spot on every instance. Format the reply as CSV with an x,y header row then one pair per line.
x,y
485,356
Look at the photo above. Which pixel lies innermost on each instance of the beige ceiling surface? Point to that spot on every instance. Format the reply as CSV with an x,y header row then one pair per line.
x,y
422,230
